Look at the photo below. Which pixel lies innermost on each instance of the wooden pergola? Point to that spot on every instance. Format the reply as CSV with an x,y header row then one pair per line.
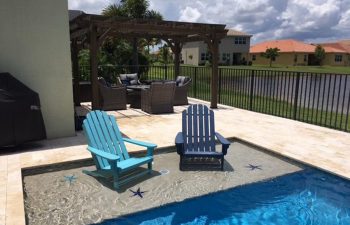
x,y
92,30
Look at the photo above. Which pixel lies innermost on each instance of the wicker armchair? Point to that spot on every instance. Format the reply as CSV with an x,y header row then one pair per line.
x,y
182,85
111,98
159,98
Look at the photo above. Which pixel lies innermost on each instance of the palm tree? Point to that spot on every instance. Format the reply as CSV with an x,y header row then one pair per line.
x,y
132,9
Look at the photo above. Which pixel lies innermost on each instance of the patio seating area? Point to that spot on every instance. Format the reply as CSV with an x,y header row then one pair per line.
x,y
323,148
152,96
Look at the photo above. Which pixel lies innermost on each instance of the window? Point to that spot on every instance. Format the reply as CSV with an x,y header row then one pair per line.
x,y
240,40
205,56
254,57
338,58
305,58
295,58
223,56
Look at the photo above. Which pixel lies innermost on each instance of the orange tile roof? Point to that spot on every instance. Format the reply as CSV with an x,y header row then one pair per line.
x,y
287,45
333,48
345,44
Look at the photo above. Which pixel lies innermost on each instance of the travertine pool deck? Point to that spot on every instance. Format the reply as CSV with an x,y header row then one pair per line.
x,y
321,147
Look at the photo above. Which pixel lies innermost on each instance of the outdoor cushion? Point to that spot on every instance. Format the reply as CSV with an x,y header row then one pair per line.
x,y
104,82
129,78
181,80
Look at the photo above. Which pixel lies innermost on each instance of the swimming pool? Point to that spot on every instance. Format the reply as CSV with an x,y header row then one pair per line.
x,y
309,196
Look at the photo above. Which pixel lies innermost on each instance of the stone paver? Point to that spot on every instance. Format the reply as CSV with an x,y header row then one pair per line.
x,y
321,147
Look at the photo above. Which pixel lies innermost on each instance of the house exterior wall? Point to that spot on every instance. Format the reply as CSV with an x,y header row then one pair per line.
x,y
35,48
282,59
288,59
227,46
330,59
190,50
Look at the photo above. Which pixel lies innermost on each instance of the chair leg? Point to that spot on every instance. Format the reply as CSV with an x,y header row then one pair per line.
x,y
222,164
180,163
150,167
115,181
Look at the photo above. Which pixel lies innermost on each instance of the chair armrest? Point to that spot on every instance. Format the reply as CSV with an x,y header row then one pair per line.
x,y
179,143
103,154
150,146
140,143
225,143
179,139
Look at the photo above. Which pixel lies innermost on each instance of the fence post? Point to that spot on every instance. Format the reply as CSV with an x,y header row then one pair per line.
x,y
219,91
296,95
195,81
166,71
251,94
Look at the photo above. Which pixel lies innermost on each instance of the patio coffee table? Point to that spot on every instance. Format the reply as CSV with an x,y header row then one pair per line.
x,y
136,96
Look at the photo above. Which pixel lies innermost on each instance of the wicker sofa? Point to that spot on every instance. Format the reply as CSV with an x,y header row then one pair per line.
x,y
159,98
181,90
111,98
127,80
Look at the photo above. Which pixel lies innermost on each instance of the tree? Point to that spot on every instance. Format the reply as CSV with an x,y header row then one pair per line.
x,y
132,9
320,54
165,54
271,53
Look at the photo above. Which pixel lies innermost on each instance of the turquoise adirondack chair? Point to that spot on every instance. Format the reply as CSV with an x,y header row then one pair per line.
x,y
108,150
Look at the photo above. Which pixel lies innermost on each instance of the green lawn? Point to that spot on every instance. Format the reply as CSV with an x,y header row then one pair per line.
x,y
314,69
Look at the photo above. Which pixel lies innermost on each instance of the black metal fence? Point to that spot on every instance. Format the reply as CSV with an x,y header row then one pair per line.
x,y
316,98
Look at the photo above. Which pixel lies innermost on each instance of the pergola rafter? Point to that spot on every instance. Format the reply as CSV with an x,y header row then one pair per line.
x,y
95,29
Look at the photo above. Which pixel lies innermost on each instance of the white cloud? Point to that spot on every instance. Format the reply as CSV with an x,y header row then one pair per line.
x,y
266,19
189,14
89,6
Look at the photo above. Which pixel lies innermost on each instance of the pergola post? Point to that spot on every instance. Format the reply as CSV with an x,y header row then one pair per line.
x,y
213,46
176,48
75,71
177,52
135,55
93,67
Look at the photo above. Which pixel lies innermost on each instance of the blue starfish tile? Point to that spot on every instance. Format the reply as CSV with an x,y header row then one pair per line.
x,y
70,179
254,167
137,193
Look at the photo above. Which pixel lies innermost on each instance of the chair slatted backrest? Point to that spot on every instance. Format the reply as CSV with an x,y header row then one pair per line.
x,y
198,129
103,133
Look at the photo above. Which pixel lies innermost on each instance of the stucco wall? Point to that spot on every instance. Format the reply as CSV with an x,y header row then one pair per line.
x,y
191,49
282,59
330,59
35,48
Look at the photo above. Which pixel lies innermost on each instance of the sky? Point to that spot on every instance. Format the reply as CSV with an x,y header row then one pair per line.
x,y
311,21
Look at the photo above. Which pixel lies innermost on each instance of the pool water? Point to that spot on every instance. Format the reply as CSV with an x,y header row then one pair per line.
x,y
308,197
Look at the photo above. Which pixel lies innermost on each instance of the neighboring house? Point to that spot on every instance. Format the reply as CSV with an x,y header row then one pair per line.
x,y
291,52
233,50
337,53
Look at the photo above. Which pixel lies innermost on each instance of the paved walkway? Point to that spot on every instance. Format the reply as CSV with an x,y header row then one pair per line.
x,y
321,147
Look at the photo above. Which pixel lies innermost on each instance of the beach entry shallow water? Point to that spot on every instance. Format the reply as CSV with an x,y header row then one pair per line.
x,y
254,186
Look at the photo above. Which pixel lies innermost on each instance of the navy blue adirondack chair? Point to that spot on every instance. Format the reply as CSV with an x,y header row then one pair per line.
x,y
108,150
198,136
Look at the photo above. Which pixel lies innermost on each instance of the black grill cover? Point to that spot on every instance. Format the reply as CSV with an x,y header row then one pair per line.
x,y
20,115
